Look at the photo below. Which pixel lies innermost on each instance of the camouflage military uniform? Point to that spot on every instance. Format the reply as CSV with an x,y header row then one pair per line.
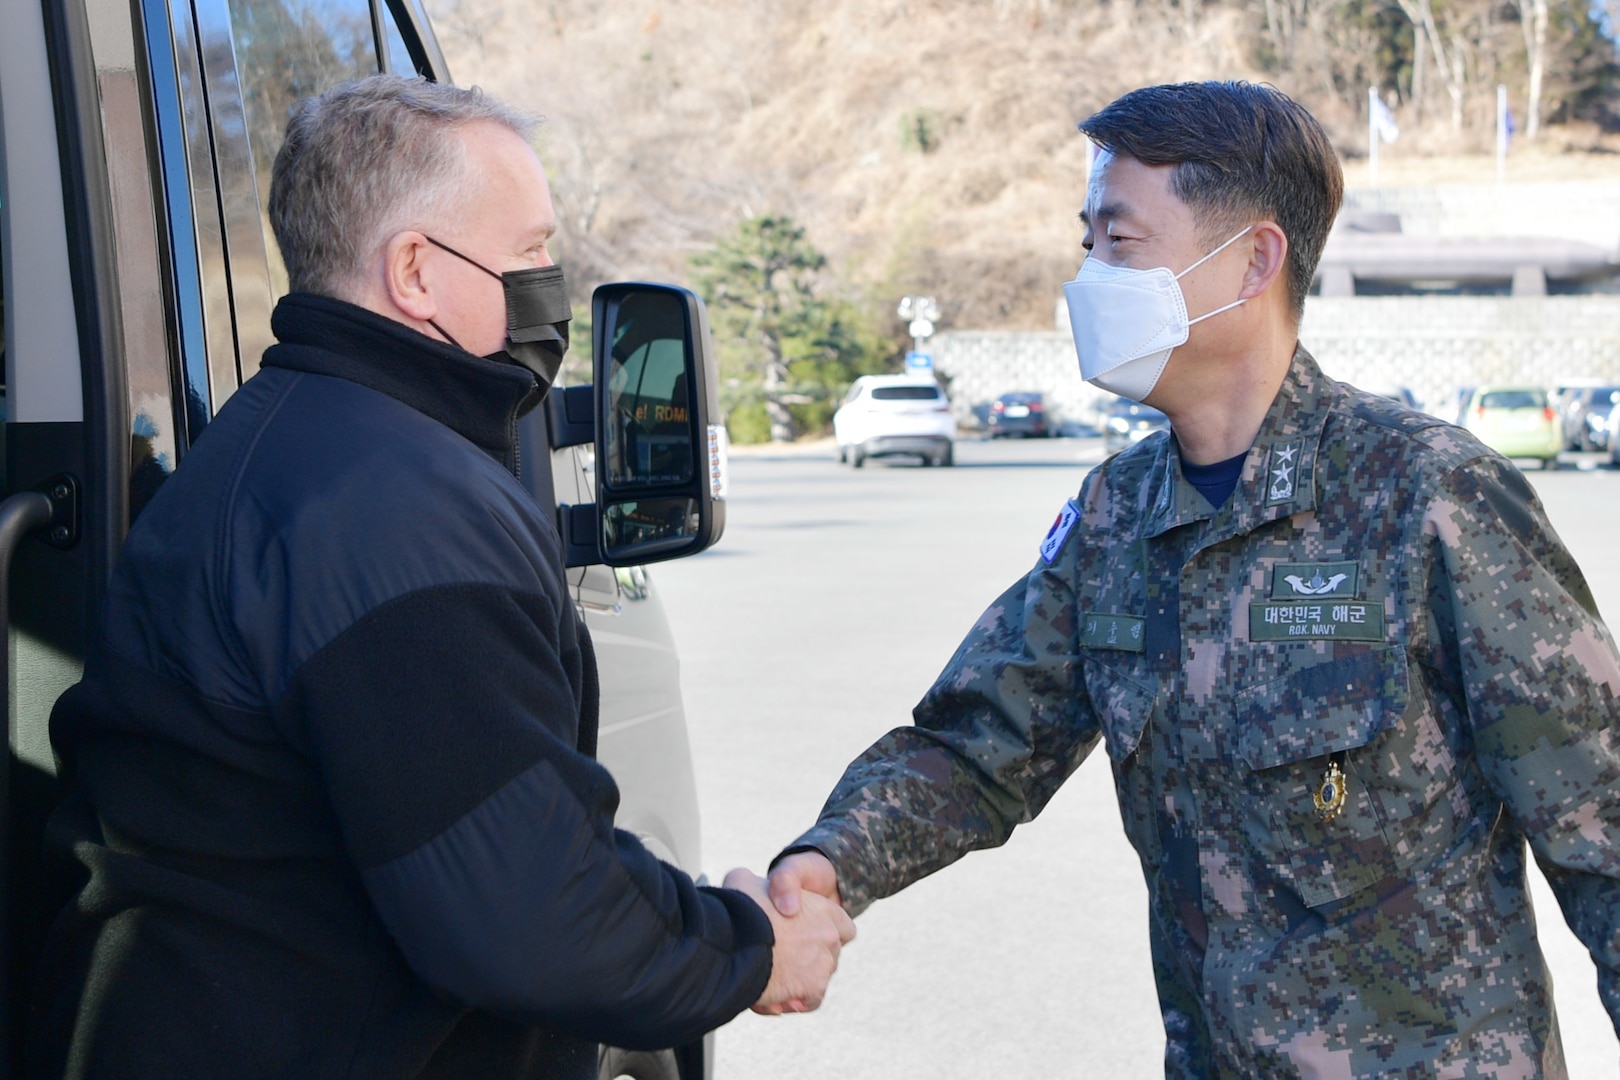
x,y
1335,708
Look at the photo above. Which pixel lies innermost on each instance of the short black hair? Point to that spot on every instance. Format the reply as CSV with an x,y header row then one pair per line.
x,y
1240,151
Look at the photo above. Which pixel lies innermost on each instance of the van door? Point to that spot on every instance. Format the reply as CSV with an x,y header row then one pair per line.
x,y
137,287
62,89
136,139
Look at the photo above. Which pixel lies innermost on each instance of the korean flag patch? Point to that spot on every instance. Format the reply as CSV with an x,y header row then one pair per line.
x,y
1059,531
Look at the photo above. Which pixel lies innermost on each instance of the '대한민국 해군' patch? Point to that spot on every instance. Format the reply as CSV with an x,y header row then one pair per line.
x,y
1317,620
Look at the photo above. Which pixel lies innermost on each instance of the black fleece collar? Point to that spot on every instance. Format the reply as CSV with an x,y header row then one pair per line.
x,y
478,399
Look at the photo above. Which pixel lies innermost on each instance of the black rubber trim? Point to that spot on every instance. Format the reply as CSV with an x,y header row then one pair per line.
x,y
419,40
87,207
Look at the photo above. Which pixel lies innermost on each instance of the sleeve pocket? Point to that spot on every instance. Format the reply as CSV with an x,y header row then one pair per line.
x,y
1125,710
1288,732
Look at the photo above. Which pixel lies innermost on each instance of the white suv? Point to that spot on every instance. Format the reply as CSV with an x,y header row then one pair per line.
x,y
895,414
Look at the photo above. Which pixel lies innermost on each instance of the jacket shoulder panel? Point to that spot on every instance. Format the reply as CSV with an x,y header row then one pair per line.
x,y
313,503
1369,416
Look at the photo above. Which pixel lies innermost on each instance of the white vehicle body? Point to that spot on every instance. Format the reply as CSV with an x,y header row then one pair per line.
x,y
884,415
135,149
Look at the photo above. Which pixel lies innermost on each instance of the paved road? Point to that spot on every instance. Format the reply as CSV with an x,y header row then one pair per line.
x,y
831,603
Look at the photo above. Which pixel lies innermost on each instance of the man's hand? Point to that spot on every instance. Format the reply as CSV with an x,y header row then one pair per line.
x,y
807,946
799,873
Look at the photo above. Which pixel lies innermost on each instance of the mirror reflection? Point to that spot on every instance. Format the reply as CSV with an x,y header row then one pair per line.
x,y
649,412
628,525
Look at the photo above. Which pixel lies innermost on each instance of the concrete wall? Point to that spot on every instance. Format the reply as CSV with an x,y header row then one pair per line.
x,y
979,366
1574,210
1435,344
1432,344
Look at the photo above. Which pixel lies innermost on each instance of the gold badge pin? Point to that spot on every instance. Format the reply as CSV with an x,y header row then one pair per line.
x,y
1329,796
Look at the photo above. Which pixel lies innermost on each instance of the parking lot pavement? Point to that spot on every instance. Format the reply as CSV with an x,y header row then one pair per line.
x,y
1583,462
973,450
1583,503
834,598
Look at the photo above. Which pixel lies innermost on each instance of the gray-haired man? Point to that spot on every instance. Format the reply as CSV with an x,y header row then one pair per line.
x,y
327,787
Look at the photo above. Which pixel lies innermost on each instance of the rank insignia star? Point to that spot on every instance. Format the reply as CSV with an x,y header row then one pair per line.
x,y
1281,471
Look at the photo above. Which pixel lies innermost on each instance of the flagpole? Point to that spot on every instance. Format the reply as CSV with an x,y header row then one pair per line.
x,y
1501,132
1372,135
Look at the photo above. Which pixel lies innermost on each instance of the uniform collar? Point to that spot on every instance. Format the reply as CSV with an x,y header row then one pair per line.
x,y
478,399
1279,473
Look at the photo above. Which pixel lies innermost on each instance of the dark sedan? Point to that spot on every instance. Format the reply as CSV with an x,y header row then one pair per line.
x,y
1130,422
1586,417
1022,413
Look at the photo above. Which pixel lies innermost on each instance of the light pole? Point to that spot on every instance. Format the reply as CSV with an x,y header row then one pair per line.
x,y
919,313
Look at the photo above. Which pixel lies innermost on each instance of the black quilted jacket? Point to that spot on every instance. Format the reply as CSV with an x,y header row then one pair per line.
x,y
328,796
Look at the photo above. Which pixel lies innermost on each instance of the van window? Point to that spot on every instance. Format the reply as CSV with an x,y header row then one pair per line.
x,y
3,440
287,50
395,52
2,303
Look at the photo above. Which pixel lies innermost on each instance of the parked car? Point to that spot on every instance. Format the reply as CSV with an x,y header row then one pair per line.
x,y
1586,417
1022,413
139,281
885,415
1563,394
1516,422
1130,422
1612,430
1459,412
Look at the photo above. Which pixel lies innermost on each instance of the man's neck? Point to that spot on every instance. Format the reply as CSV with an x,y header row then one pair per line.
x,y
1216,409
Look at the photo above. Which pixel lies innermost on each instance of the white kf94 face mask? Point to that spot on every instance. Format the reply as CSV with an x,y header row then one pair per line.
x,y
1125,322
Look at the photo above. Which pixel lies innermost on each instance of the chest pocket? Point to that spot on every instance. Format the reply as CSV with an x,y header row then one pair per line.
x,y
1289,731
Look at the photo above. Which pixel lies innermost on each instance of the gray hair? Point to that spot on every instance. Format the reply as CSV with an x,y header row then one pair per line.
x,y
364,160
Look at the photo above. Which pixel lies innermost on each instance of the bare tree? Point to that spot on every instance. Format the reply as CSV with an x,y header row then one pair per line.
x,y
1533,20
1280,27
1448,63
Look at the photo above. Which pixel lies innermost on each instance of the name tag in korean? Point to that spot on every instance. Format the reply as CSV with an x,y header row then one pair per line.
x,y
1123,632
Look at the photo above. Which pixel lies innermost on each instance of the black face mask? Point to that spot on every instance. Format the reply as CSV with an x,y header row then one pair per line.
x,y
537,314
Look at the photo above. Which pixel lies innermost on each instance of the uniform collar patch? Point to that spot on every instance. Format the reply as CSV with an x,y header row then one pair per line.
x,y
1059,531
1282,471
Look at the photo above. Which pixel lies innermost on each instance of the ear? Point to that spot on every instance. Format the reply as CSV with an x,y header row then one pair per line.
x,y
406,277
1268,259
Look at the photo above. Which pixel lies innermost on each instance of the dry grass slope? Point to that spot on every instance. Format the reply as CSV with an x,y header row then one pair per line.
x,y
926,145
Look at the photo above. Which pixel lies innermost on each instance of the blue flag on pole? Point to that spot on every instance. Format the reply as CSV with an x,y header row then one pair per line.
x,y
1384,120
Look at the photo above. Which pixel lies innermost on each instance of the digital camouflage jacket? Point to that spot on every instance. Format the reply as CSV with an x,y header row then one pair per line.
x,y
1335,709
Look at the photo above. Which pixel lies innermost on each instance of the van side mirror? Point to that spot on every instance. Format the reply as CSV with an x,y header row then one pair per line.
x,y
660,461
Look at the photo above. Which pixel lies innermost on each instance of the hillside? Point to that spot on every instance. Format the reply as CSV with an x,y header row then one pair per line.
x,y
926,146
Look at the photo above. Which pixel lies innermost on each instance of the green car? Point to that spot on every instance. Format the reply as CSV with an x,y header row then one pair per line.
x,y
1516,422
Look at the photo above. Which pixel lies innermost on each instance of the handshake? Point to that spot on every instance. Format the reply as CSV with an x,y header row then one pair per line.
x,y
811,926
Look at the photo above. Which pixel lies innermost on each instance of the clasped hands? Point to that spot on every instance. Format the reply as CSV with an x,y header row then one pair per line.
x,y
811,926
